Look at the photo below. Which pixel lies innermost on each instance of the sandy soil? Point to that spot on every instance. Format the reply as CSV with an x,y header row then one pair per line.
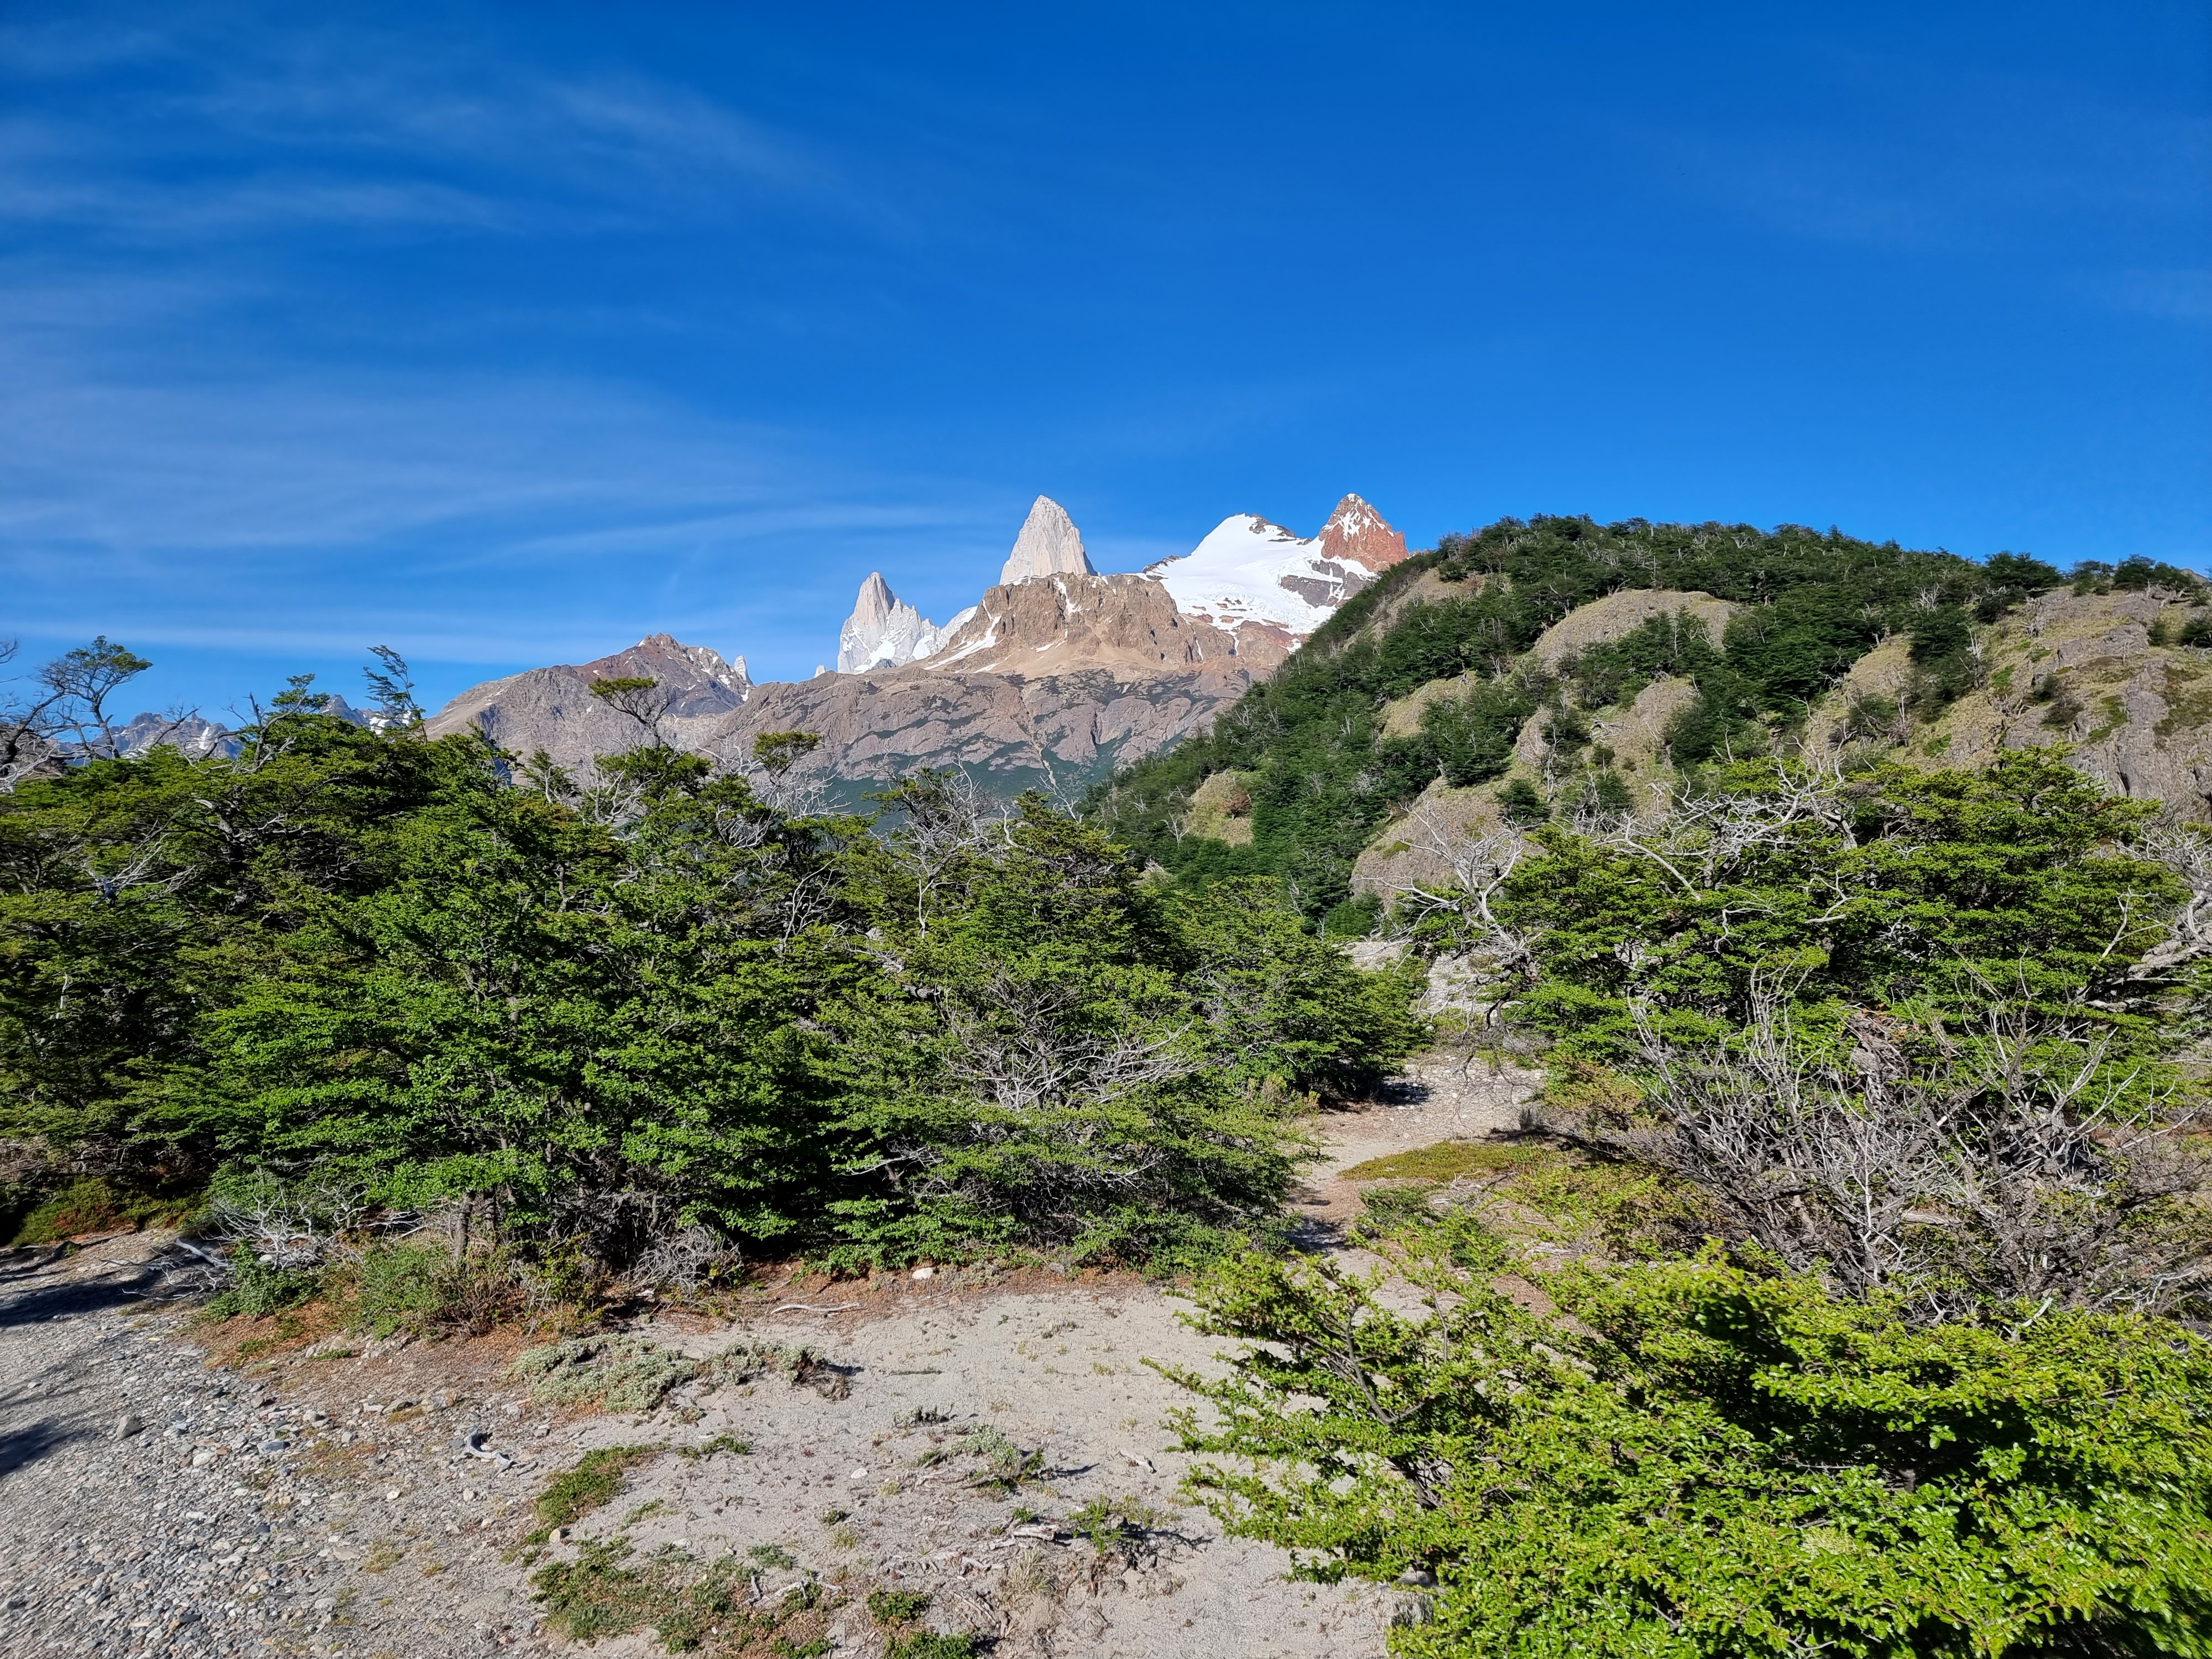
x,y
290,1502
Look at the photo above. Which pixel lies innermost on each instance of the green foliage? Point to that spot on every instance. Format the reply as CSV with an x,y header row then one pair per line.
x,y
421,1289
1117,1524
1324,779
1943,889
896,1606
259,1288
94,1204
1055,1054
1446,1159
1713,1458
1522,806
607,1590
620,1373
597,1480
931,1644
421,972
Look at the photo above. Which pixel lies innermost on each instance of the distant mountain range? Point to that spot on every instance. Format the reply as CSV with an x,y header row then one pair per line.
x,y
1053,676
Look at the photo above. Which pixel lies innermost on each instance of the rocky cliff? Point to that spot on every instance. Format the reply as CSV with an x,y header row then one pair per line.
x,y
1056,624
1060,732
1049,544
1053,676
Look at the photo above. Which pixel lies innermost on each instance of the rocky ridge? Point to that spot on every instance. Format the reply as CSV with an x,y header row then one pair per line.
x,y
1251,576
1049,544
884,631
1055,677
553,708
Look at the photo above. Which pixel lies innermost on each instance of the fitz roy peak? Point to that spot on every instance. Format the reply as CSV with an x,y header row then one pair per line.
x,y
1049,545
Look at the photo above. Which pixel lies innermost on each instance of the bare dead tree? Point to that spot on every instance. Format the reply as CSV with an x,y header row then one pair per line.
x,y
1475,865
2185,850
949,819
1024,1047
2009,1165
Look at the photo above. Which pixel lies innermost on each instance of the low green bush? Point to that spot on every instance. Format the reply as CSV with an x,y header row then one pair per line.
x,y
95,1205
596,1480
258,1289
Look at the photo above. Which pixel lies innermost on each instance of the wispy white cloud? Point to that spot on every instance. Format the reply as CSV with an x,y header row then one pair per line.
x,y
2177,295
1963,162
247,126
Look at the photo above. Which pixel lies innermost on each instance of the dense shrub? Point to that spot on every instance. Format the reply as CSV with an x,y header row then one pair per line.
x,y
1710,1458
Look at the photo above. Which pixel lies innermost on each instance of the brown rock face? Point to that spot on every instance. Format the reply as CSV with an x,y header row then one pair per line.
x,y
553,708
1126,624
1358,533
1049,544
1061,732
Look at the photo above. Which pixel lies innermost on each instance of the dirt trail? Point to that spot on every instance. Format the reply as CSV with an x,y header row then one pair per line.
x,y
323,1502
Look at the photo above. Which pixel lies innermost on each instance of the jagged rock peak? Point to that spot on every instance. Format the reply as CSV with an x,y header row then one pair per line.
x,y
883,631
1049,545
706,661
1357,533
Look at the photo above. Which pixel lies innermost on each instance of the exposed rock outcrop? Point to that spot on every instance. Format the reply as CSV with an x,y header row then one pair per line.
x,y
1049,544
1356,534
2100,672
1617,616
553,708
1061,732
1064,623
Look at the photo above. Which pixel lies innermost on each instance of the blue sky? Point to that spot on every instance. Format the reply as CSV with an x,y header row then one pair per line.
x,y
505,334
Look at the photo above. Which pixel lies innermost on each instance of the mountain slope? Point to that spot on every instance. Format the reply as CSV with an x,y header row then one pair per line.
x,y
1761,626
553,708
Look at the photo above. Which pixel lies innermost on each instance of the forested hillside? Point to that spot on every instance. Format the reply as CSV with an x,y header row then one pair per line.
x,y
1317,775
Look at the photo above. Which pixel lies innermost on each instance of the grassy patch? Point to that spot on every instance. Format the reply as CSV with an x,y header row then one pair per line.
x,y
634,1374
605,1592
596,1480
1449,1159
96,1205
894,1608
931,1644
721,1443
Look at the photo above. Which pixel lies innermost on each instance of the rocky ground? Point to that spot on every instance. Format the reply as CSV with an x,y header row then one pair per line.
x,y
169,1489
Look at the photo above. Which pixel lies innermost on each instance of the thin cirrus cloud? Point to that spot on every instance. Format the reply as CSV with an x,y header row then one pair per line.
x,y
175,458
1970,161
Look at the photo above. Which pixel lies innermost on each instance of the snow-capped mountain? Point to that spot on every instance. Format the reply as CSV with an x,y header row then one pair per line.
x,y
1248,573
884,631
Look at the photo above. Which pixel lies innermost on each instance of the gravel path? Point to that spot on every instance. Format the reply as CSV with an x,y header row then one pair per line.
x,y
149,1505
